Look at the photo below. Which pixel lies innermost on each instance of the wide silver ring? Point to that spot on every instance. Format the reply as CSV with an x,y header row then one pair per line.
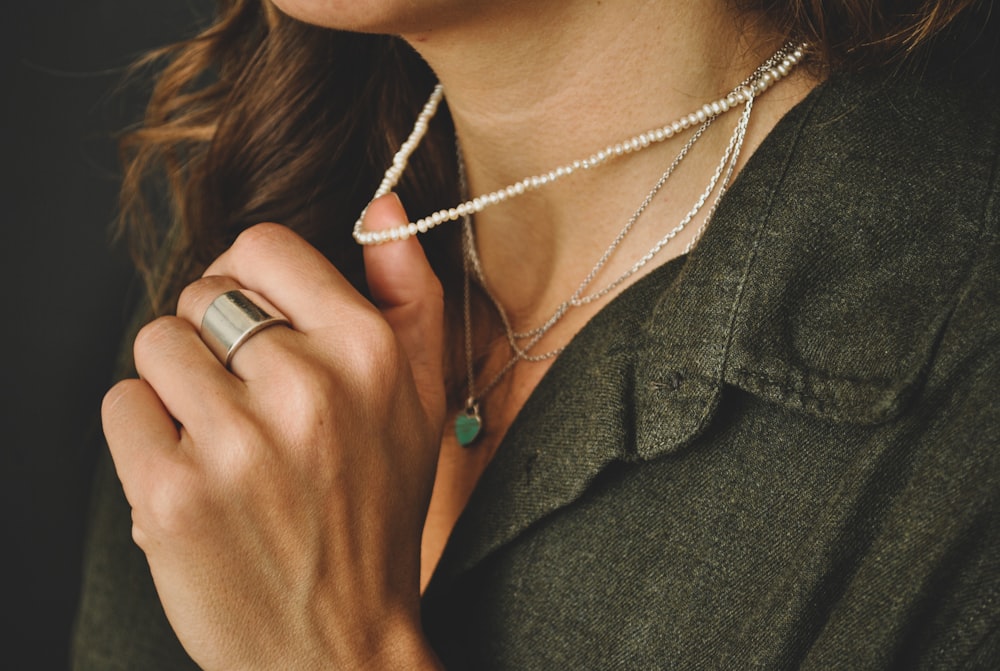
x,y
230,321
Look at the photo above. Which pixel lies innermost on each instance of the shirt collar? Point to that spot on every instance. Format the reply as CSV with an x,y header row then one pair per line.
x,y
807,291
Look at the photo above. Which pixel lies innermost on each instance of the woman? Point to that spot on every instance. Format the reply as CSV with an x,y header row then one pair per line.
x,y
612,418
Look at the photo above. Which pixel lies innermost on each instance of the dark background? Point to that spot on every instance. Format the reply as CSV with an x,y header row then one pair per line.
x,y
66,290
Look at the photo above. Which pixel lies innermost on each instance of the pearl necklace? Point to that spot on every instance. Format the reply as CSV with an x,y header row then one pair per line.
x,y
773,70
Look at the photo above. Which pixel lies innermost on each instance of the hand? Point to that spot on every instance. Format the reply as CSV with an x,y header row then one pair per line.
x,y
280,506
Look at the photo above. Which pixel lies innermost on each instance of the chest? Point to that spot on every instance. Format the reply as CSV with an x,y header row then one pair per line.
x,y
460,468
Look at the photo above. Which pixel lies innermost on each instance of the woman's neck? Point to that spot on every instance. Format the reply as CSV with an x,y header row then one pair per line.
x,y
537,87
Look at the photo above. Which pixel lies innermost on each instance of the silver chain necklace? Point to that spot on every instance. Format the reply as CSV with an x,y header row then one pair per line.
x,y
469,422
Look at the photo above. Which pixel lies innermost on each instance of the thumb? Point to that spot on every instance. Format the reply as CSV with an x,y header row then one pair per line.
x,y
409,294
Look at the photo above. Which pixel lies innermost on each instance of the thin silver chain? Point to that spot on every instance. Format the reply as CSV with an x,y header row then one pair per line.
x,y
473,266
757,83
577,299
574,300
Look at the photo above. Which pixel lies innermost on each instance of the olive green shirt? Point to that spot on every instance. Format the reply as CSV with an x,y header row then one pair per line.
x,y
779,452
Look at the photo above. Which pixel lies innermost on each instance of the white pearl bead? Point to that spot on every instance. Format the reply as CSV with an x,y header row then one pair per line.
x,y
776,68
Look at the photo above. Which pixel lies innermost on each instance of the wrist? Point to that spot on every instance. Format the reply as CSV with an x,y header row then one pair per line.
x,y
401,645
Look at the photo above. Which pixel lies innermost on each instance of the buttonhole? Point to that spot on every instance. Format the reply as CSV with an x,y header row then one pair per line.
x,y
675,380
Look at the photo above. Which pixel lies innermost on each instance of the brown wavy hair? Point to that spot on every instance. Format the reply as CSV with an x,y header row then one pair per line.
x,y
264,118
855,35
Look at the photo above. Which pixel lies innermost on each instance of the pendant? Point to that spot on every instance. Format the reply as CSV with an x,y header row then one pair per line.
x,y
468,424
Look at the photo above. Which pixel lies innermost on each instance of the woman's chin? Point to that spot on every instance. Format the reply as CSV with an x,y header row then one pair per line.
x,y
389,17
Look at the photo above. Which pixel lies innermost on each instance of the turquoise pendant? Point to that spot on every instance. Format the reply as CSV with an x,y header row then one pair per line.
x,y
468,424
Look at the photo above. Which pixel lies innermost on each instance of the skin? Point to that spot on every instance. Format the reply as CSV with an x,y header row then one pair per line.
x,y
282,519
291,508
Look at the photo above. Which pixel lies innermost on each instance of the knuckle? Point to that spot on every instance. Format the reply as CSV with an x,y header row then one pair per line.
x,y
259,239
313,389
306,435
245,433
171,507
245,467
196,296
155,336
368,375
116,395
240,439
239,472
188,295
378,355
140,537
309,388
